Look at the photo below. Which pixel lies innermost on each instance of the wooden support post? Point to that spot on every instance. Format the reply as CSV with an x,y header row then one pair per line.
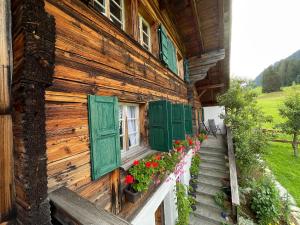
x,y
34,43
6,136
115,190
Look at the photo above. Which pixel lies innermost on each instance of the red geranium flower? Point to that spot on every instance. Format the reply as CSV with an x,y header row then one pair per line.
x,y
136,162
158,157
155,164
129,179
177,142
148,164
190,142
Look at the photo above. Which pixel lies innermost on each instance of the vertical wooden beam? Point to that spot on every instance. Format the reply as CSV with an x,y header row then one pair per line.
x,y
6,136
115,190
34,44
135,18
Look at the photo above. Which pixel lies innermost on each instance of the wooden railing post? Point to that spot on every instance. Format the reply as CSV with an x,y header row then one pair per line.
x,y
235,199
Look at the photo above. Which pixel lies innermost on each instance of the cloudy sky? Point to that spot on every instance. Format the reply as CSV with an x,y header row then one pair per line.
x,y
263,32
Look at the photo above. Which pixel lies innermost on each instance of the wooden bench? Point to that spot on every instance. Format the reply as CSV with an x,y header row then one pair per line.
x,y
70,208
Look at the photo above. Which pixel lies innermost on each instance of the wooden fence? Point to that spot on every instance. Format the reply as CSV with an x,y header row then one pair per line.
x,y
278,140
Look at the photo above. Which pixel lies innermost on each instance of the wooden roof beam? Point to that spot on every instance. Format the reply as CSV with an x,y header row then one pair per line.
x,y
211,86
198,25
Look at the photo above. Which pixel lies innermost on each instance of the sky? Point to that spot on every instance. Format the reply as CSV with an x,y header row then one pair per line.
x,y
263,32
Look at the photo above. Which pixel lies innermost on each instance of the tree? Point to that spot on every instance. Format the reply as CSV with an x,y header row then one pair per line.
x,y
245,120
290,110
271,80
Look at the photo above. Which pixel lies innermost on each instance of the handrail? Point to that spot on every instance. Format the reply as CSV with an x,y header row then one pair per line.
x,y
235,198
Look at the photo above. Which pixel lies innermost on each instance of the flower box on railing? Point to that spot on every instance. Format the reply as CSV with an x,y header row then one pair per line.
x,y
154,169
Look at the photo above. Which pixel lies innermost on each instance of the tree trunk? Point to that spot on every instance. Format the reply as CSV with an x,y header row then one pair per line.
x,y
295,144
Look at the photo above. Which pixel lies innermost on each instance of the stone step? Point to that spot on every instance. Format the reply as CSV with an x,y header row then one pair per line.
x,y
206,179
208,153
212,216
202,199
216,174
213,158
209,190
194,220
213,161
212,166
213,150
221,150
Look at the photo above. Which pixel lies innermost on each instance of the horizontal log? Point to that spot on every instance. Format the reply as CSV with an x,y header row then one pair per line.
x,y
70,208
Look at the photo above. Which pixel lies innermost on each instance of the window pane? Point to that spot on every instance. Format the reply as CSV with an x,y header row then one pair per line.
x,y
120,112
132,140
121,142
118,2
131,126
116,22
145,39
146,46
145,28
99,5
121,127
115,10
131,112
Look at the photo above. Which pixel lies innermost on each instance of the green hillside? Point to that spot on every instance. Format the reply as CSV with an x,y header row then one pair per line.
x,y
288,70
280,157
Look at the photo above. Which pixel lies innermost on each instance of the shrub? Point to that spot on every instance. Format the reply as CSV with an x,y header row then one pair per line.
x,y
183,205
245,120
265,201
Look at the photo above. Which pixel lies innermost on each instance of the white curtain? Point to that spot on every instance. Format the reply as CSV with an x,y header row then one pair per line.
x,y
131,117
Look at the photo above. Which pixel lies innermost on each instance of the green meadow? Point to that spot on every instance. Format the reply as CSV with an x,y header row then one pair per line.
x,y
279,158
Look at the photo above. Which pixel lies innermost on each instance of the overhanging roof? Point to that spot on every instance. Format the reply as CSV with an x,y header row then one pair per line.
x,y
205,27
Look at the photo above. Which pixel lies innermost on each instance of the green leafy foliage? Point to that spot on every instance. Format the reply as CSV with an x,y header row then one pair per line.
x,y
245,120
183,205
220,198
194,169
270,80
265,201
290,111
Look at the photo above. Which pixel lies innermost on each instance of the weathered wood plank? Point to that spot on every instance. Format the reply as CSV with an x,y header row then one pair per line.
x,y
6,134
71,208
233,173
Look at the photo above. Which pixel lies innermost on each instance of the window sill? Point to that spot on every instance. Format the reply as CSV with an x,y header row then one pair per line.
x,y
138,155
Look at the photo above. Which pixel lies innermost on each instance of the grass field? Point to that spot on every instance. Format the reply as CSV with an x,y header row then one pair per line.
x,y
280,157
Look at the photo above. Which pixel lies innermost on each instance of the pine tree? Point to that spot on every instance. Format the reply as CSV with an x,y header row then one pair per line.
x,y
271,80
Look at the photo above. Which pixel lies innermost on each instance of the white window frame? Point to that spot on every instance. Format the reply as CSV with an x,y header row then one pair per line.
x,y
132,149
141,21
108,14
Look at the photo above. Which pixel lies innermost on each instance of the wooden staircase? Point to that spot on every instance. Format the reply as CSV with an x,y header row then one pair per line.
x,y
213,172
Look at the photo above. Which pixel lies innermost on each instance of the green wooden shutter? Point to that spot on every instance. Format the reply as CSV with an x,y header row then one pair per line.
x,y
104,134
178,122
172,57
160,132
188,121
163,45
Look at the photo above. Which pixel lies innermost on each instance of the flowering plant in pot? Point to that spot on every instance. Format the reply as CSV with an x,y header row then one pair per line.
x,y
141,175
201,137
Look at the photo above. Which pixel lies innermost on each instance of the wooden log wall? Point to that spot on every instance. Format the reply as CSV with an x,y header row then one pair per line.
x,y
6,136
194,101
33,48
94,57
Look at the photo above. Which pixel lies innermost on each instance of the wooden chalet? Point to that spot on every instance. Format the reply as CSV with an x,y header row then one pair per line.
x,y
77,79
